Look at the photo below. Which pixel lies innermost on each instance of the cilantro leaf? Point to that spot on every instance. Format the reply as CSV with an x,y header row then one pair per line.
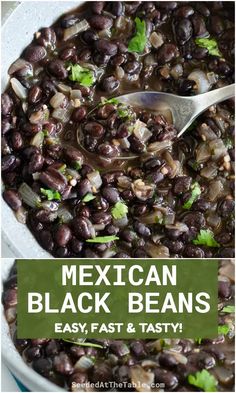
x,y
51,194
82,75
228,143
83,344
210,44
88,197
105,101
103,239
206,238
119,210
203,380
229,309
198,341
196,191
139,40
223,329
77,165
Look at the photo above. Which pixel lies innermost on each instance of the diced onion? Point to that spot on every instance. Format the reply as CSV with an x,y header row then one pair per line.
x,y
75,29
62,114
37,139
58,100
209,171
121,222
84,363
64,215
29,196
201,80
215,189
141,132
95,179
21,215
158,146
18,88
18,65
155,251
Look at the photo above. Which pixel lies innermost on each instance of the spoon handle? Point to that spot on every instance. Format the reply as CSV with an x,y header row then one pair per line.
x,y
205,100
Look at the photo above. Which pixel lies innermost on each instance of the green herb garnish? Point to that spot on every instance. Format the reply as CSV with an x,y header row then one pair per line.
x,y
196,191
229,309
82,75
139,40
228,143
103,239
223,329
198,341
203,380
210,44
105,101
88,197
83,344
45,132
51,194
62,168
77,165
206,238
119,210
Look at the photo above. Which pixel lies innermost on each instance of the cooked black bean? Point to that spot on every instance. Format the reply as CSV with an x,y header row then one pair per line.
x,y
82,227
12,198
57,69
106,47
111,194
7,104
100,22
35,53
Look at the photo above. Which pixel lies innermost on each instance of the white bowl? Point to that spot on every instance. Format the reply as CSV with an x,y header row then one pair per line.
x,y
10,356
17,33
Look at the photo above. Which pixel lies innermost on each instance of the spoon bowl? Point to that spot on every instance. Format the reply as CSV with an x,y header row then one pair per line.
x,y
178,110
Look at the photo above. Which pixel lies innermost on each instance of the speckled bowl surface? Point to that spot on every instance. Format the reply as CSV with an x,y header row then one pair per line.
x,y
17,33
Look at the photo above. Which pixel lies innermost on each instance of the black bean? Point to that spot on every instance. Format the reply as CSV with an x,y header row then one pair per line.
x,y
168,5
193,251
226,207
101,218
121,255
100,22
216,24
167,360
36,163
6,104
46,240
20,343
132,67
76,245
199,26
35,53
136,146
17,140
200,53
82,227
35,94
183,30
138,349
43,366
227,252
101,372
106,47
111,194
110,84
52,348
57,69
53,179
175,246
10,297
47,37
107,150
224,289
121,374
12,198
45,216
79,114
89,36
142,229
184,12
195,219
69,20
97,7
84,187
8,163
94,129
31,129
166,53
166,377
33,353
62,364
73,156
63,235
182,184
100,59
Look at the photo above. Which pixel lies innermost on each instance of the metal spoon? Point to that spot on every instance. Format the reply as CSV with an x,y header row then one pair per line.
x,y
180,111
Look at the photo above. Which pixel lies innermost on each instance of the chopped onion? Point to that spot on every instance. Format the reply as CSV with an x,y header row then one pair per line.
x,y
10,314
40,116
18,65
124,182
75,29
141,190
155,251
202,152
213,220
156,39
58,100
141,132
212,77
124,143
29,196
21,215
50,205
201,80
95,179
206,132
99,227
37,139
218,149
177,71
178,356
180,226
158,146
64,215
169,218
109,253
152,218
64,88
62,114
141,379
75,94
210,171
18,88
83,364
215,190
